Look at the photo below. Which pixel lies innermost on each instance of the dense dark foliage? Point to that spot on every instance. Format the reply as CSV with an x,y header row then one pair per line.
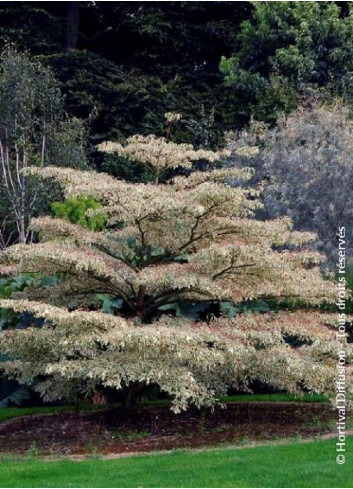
x,y
130,62
124,64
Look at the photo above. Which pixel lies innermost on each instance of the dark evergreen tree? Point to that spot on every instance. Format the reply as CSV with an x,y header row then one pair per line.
x,y
124,64
290,51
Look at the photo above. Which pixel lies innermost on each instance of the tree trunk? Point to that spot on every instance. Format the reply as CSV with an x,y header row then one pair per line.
x,y
73,20
21,230
133,393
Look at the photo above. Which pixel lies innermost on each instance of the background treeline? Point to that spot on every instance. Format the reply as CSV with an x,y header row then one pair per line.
x,y
122,65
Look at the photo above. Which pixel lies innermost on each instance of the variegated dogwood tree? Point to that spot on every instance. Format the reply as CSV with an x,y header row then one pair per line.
x,y
191,240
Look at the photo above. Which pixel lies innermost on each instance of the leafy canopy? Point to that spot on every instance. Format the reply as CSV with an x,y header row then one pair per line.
x,y
189,240
288,50
34,130
306,152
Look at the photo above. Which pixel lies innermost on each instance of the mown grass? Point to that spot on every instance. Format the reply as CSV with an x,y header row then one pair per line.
x,y
285,465
276,398
14,412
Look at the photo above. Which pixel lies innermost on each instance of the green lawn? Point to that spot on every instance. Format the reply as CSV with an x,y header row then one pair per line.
x,y
293,465
276,398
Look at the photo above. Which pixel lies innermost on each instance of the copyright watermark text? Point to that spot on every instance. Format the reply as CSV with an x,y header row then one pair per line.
x,y
341,403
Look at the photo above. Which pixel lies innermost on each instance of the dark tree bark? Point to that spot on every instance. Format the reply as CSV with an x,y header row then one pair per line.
x,y
73,21
133,393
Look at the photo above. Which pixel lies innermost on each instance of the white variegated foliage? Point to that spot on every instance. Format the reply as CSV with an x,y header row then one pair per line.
x,y
192,239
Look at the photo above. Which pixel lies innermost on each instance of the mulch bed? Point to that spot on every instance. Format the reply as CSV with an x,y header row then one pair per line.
x,y
153,428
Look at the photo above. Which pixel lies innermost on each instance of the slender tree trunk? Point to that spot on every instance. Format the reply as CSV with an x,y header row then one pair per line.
x,y
22,230
73,21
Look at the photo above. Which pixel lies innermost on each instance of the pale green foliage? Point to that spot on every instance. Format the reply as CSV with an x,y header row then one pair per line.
x,y
75,210
191,239
306,162
34,130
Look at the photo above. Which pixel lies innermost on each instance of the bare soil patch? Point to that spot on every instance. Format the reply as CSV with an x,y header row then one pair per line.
x,y
151,428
